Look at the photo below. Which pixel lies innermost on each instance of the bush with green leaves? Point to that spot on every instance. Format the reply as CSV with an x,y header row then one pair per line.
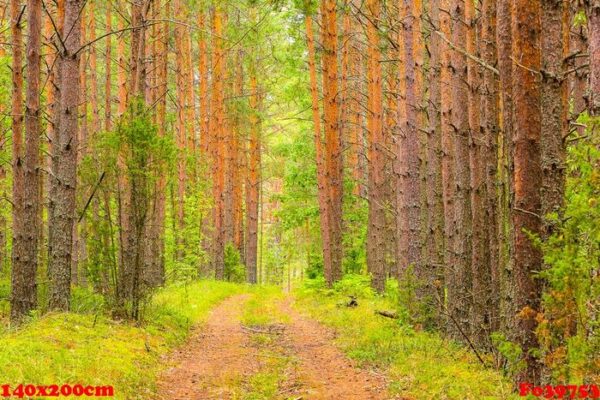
x,y
234,269
569,330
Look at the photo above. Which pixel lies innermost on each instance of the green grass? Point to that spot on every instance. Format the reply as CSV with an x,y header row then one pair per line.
x,y
420,365
262,311
94,350
262,308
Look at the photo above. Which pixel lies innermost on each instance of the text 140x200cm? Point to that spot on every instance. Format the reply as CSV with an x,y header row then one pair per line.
x,y
77,390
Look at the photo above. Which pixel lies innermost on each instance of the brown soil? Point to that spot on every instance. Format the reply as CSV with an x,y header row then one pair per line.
x,y
216,356
326,372
222,355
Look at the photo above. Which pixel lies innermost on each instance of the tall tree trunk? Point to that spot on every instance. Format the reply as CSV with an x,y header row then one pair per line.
x,y
490,127
479,262
123,189
253,179
108,71
23,291
408,215
527,177
333,137
4,9
205,132
322,184
460,308
504,238
161,78
435,205
181,136
204,86
26,165
376,218
554,119
82,133
579,46
219,143
593,18
65,175
237,158
448,188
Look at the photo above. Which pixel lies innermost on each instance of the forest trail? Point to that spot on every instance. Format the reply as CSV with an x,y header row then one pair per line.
x,y
224,358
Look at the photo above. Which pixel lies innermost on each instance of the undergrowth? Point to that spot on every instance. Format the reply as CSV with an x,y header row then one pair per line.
x,y
420,365
91,349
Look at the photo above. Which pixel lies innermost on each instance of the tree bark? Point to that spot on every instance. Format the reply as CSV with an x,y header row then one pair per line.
x,y
479,260
253,179
490,126
409,200
593,18
376,180
448,167
435,204
65,175
527,177
26,174
554,119
322,184
219,143
333,137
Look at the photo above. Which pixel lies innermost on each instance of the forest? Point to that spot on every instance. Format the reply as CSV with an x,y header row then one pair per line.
x,y
300,199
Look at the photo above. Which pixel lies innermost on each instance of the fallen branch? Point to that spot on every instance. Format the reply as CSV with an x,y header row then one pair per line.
x,y
387,314
270,330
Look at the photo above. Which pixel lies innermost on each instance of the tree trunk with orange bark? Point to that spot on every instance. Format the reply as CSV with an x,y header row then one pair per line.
x,y
593,21
322,184
527,177
217,127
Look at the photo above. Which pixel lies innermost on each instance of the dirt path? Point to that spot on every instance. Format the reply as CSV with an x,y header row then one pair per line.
x,y
327,373
214,359
222,358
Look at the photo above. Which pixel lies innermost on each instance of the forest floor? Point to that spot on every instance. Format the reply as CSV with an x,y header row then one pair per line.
x,y
257,347
218,340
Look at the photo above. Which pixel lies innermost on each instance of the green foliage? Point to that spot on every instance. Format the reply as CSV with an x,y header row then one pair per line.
x,y
511,352
569,328
234,268
355,285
